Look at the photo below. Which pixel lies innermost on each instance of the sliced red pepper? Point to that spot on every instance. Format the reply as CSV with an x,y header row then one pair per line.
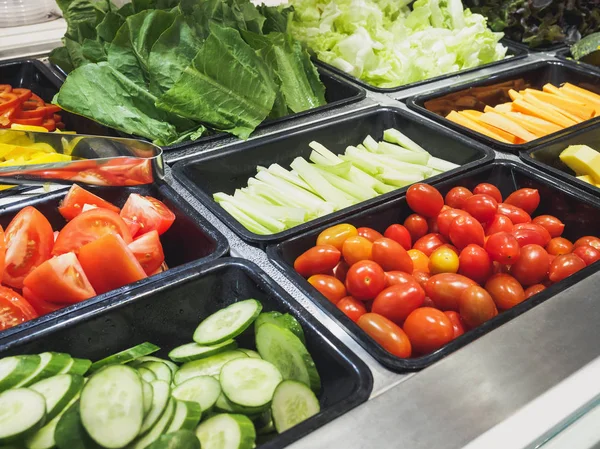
x,y
6,117
31,105
5,88
49,124
31,113
8,100
52,108
35,121
57,118
24,94
60,125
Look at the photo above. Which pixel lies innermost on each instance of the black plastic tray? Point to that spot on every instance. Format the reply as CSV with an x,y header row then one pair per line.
x,y
565,55
580,213
231,167
541,49
537,74
546,157
168,315
190,238
517,52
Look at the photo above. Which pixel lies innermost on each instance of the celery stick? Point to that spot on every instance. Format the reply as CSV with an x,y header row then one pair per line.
x,y
278,170
317,158
324,152
402,154
441,165
245,220
319,183
242,194
394,136
388,161
399,179
359,192
288,189
338,169
252,211
370,144
290,216
361,147
362,160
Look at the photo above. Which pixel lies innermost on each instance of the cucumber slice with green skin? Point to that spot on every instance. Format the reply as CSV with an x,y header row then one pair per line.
x,y
193,351
250,353
146,374
210,366
284,350
226,431
263,423
158,429
148,358
187,416
14,370
125,356
111,406
148,393
44,438
182,439
203,390
161,392
58,391
22,413
70,433
249,382
225,405
284,320
160,370
293,402
79,367
51,363
227,323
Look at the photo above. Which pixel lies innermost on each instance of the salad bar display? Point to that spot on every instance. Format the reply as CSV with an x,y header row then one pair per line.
x,y
354,155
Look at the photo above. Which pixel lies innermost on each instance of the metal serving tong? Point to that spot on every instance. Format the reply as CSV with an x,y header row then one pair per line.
x,y
96,160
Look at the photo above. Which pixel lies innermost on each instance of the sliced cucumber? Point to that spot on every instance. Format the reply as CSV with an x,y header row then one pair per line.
x,y
112,409
149,358
264,423
58,391
249,382
44,438
22,413
284,320
70,433
187,416
79,367
148,393
51,363
293,402
182,439
125,356
226,431
250,353
193,351
160,370
210,366
227,323
161,392
225,405
14,370
146,374
158,429
202,389
284,350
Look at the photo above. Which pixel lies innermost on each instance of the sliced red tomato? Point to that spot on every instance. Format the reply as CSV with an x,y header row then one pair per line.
x,y
148,251
89,226
109,264
2,251
14,309
149,212
41,307
29,239
72,204
134,226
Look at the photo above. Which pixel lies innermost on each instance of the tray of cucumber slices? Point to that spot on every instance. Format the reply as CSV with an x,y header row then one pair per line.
x,y
218,357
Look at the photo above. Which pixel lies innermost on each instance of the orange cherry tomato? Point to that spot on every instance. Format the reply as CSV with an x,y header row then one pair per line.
x,y
329,286
400,234
424,199
397,301
445,289
317,260
476,306
488,189
443,260
475,263
356,249
558,246
457,324
390,336
417,226
391,256
457,196
370,234
564,266
365,279
428,329
336,235
351,307
419,259
552,224
505,290
534,290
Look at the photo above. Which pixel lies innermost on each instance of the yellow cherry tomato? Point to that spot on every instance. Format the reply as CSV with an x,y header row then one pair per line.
x,y
443,260
337,235
420,260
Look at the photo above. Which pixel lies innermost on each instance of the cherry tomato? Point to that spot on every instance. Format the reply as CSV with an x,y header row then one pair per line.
x,y
505,290
481,207
488,189
588,254
553,225
365,280
497,267
420,260
428,243
500,223
445,219
417,226
400,234
428,329
329,286
352,308
370,234
443,260
457,196
341,270
476,306
422,277
534,290
475,263
336,235
390,255
398,278
558,246
445,289
516,214
428,302
526,199
457,324
503,247
398,301
564,266
432,225
465,231
356,249
541,238
317,260
588,240
424,199
390,336
532,266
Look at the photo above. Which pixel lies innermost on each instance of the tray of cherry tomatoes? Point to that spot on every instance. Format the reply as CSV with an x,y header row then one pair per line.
x,y
418,277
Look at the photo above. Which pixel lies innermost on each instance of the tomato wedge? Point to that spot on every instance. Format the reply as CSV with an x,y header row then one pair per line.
x,y
2,251
149,212
14,309
134,226
29,239
41,307
148,251
89,226
60,280
72,204
109,264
